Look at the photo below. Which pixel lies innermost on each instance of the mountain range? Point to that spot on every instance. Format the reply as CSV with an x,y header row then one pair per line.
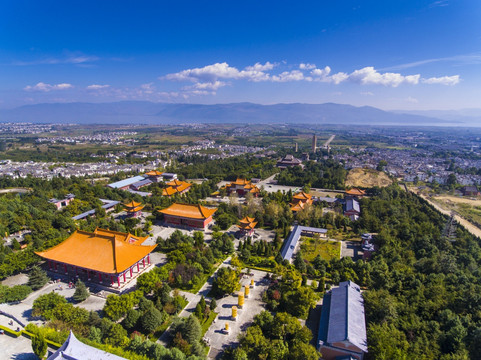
x,y
144,112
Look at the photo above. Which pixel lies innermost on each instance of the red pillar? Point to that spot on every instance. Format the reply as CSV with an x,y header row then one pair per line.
x,y
138,267
124,278
55,266
111,280
148,259
118,280
65,268
100,277
143,263
131,272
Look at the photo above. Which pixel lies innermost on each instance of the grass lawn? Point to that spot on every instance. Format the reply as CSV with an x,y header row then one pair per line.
x,y
206,324
311,247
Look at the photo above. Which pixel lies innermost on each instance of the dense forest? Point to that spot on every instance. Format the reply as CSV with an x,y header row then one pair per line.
x,y
423,299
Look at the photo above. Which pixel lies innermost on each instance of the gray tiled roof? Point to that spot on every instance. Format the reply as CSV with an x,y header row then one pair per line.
x,y
352,204
346,316
126,182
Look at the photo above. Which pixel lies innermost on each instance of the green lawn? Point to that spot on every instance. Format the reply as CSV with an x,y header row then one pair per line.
x,y
206,324
311,247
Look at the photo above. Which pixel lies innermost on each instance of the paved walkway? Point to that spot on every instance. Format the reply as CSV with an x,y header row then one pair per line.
x,y
215,336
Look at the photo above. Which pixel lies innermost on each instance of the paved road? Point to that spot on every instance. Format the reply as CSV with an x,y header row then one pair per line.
x,y
16,348
328,141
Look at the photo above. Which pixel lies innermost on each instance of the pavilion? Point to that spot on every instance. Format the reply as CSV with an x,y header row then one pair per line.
x,y
247,225
300,200
176,186
195,216
104,256
133,209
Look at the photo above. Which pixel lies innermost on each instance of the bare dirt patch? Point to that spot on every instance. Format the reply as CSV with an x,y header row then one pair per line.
x,y
367,178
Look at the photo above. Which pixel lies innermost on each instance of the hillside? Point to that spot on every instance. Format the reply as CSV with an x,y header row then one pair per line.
x,y
367,178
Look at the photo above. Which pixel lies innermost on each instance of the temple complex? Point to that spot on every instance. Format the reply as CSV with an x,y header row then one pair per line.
x,y
108,257
247,225
195,216
133,209
241,187
176,186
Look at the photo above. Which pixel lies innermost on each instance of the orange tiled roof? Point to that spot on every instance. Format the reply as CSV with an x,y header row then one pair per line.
x,y
132,204
99,251
127,237
169,191
247,223
302,196
241,182
255,189
355,191
247,220
183,186
298,206
135,209
175,182
154,173
189,211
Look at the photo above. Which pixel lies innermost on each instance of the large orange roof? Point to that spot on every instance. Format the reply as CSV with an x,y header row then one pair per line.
x,y
247,220
299,206
247,223
99,251
356,191
189,211
154,173
178,187
127,237
183,186
241,182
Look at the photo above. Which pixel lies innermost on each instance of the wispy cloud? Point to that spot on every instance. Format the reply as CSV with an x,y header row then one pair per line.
x,y
439,3
69,58
457,59
43,87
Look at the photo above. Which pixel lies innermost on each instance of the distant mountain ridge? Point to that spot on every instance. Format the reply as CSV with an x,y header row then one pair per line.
x,y
145,112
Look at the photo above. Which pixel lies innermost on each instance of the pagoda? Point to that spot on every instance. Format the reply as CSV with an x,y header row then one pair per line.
x,y
247,225
104,256
133,209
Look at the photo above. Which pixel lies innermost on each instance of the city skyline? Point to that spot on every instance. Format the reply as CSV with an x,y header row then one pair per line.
x,y
391,56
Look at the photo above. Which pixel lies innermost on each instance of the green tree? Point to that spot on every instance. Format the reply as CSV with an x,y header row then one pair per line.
x,y
81,292
45,304
37,278
226,281
131,319
192,331
151,320
39,345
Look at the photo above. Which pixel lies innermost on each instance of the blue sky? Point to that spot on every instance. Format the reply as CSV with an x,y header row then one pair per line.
x,y
394,54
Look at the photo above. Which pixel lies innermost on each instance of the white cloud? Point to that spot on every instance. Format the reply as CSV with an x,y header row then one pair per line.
x,y
412,100
366,93
307,66
212,73
97,87
208,79
75,59
443,80
369,76
294,75
43,87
